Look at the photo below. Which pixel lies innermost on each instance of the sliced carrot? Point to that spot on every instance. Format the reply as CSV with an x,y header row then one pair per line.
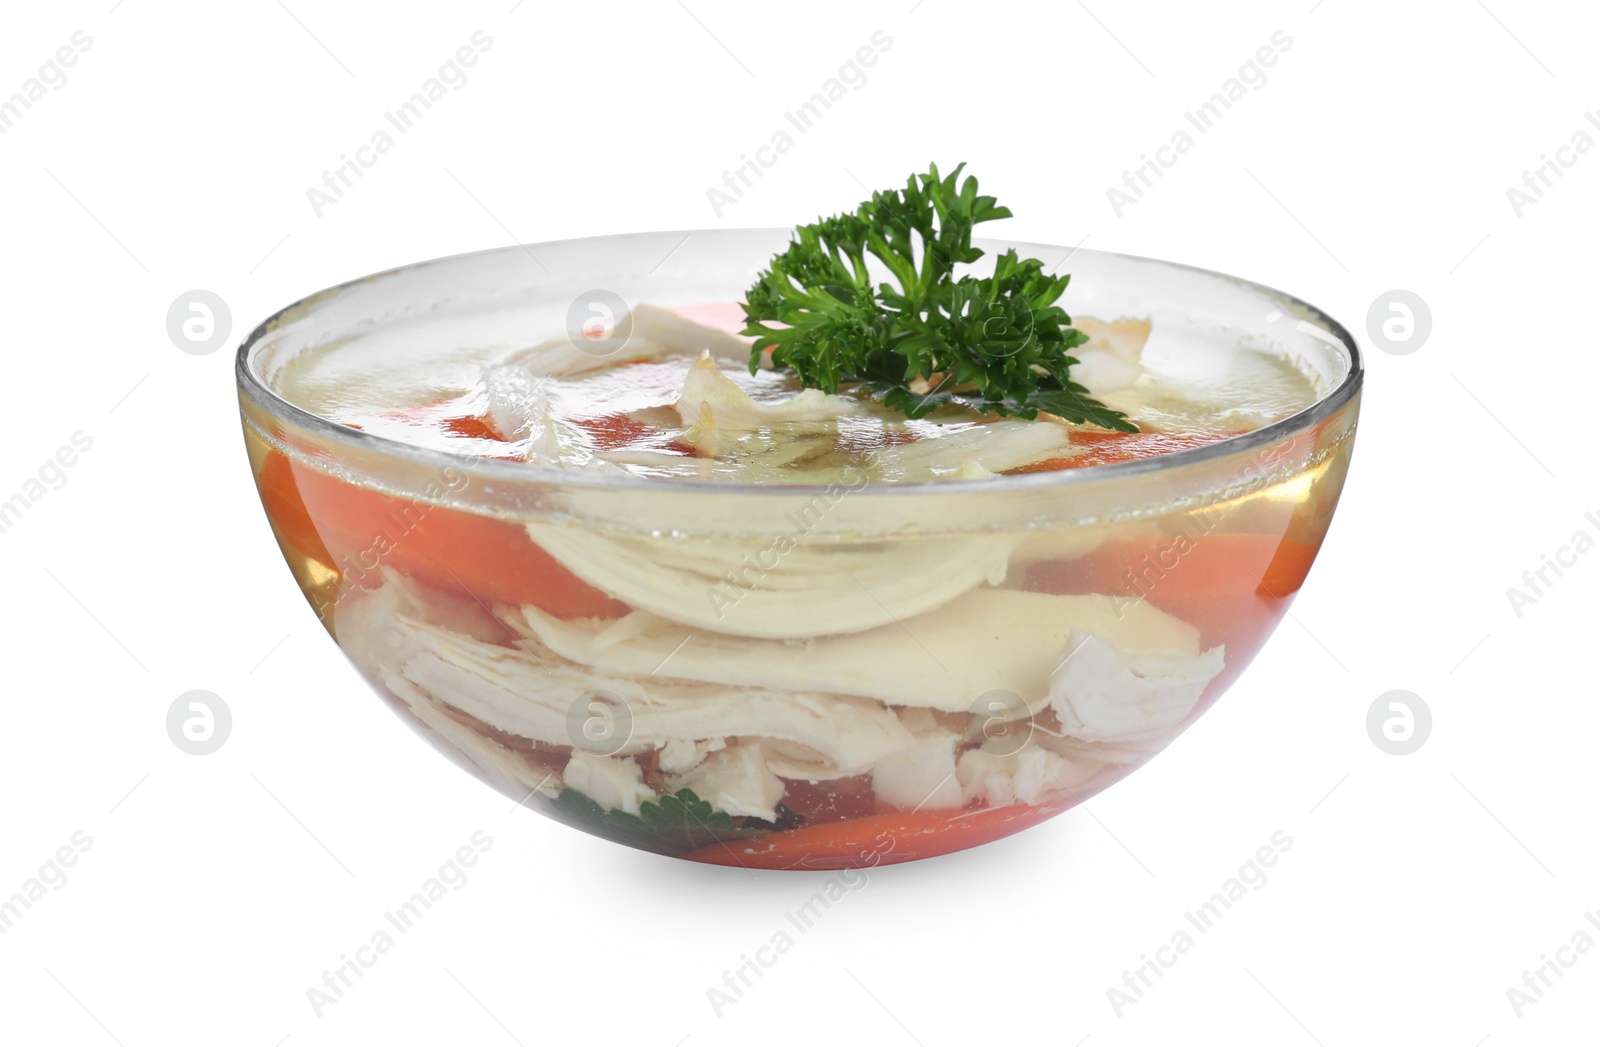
x,y
358,530
1232,587
280,497
602,432
611,431
1181,566
881,839
475,427
455,424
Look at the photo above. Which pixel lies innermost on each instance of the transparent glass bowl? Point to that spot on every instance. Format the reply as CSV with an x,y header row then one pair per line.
x,y
790,677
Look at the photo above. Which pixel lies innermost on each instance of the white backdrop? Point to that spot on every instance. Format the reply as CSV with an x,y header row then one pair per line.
x,y
207,894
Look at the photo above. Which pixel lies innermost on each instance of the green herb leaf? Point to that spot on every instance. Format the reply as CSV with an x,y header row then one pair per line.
x,y
998,344
673,823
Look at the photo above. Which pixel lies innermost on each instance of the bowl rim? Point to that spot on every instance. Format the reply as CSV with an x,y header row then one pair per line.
x,y
251,384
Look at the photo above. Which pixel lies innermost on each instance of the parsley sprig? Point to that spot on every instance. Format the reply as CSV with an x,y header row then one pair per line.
x,y
672,823
999,344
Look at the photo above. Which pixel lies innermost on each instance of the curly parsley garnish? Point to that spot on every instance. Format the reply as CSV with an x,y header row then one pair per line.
x,y
998,344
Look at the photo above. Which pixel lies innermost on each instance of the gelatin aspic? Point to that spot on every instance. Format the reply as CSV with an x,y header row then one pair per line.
x,y
799,698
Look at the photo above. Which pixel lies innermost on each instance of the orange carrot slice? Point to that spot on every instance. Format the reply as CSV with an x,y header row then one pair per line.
x,y
1232,587
880,839
359,530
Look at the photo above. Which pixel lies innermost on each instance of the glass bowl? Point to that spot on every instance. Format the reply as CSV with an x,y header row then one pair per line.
x,y
789,677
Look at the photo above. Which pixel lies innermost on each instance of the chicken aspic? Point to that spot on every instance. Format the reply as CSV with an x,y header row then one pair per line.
x,y
780,693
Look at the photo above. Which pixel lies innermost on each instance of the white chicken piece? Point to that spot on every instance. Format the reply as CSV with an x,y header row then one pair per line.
x,y
755,441
1109,360
736,780
390,634
970,469
1105,694
924,775
1030,775
718,414
984,640
800,591
520,407
680,754
520,385
612,783
705,386
655,326
646,332
769,456
513,773
976,452
752,458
